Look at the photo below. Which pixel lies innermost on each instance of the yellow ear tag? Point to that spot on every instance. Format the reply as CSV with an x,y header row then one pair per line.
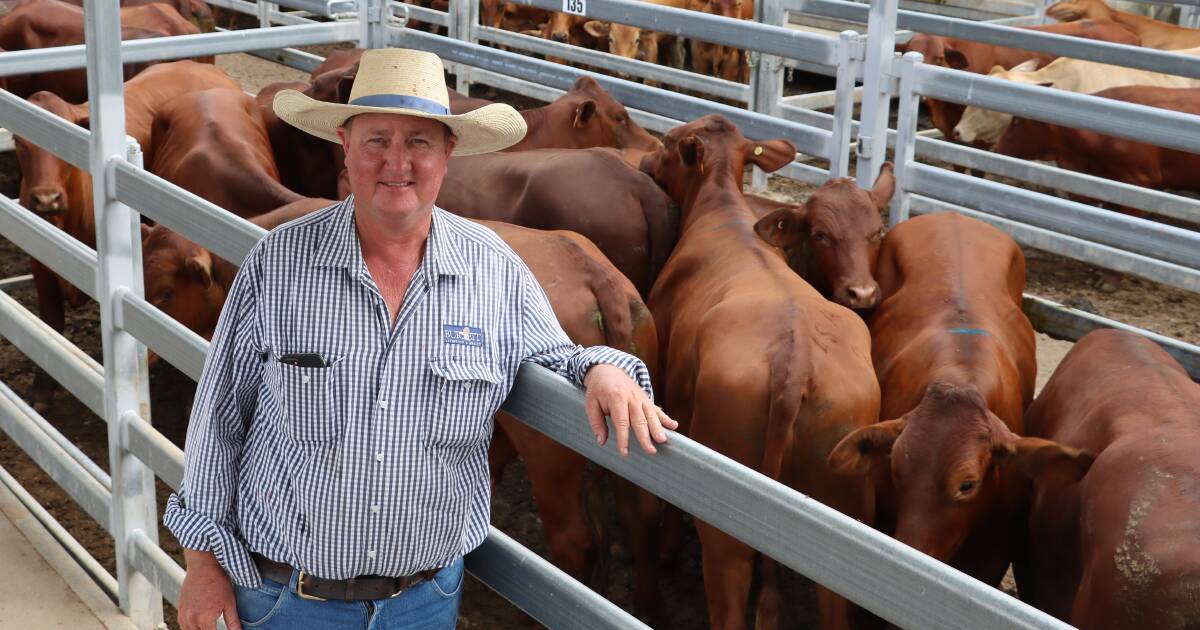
x,y
758,150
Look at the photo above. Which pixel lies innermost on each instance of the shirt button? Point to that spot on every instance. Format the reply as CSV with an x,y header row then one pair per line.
x,y
371,554
374,509
468,385
379,456
383,404
306,378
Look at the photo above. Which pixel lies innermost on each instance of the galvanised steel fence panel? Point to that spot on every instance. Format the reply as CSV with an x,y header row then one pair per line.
x,y
55,436
64,255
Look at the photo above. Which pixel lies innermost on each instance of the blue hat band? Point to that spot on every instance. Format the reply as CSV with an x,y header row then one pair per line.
x,y
402,101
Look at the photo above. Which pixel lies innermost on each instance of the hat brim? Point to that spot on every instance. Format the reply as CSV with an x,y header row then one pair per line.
x,y
490,128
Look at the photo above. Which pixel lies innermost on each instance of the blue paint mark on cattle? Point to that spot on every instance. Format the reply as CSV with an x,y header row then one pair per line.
x,y
463,336
969,331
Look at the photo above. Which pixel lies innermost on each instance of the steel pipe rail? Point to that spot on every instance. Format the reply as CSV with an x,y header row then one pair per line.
x,y
151,561
153,448
772,40
414,12
66,140
171,340
756,126
65,256
1072,247
885,576
1063,322
89,493
182,46
1012,37
499,561
1168,243
60,358
1162,127
324,8
212,227
56,436
642,69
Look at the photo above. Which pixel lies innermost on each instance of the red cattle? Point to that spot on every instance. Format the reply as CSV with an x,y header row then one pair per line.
x,y
1115,545
194,11
623,212
49,23
213,143
1154,33
1097,154
755,363
719,60
307,164
980,58
956,364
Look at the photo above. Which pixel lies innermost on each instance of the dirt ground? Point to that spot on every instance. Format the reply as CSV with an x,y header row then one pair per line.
x,y
1137,302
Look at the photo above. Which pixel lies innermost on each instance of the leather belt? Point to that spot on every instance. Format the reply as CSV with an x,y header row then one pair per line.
x,y
356,589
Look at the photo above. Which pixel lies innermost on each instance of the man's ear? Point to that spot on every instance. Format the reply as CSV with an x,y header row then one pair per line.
x,y
584,113
862,447
770,155
885,186
1044,461
782,227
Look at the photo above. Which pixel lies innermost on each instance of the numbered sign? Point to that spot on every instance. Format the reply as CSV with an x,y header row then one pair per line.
x,y
578,7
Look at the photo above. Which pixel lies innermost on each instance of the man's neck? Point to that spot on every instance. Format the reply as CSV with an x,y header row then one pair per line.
x,y
394,243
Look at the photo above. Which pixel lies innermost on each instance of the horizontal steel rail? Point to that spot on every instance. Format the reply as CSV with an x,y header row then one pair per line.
x,y
170,340
154,563
746,34
153,448
642,69
65,256
1073,247
89,493
1012,37
755,126
324,8
61,359
414,12
1162,127
525,579
182,46
1168,243
54,435
66,140
1063,322
880,573
210,226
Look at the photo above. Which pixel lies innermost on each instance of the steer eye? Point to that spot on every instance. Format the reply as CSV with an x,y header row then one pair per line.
x,y
820,237
966,486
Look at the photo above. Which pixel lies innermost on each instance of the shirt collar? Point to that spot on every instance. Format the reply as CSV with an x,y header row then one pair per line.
x,y
444,251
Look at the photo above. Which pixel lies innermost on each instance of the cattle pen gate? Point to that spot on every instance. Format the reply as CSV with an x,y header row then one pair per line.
x,y
881,574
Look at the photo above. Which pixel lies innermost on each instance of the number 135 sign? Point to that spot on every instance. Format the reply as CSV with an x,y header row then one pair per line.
x,y
578,7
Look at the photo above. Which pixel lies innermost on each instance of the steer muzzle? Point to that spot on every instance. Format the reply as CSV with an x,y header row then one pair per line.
x,y
47,201
862,296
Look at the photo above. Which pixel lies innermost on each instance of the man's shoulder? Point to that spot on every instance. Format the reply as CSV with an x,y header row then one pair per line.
x,y
479,240
301,235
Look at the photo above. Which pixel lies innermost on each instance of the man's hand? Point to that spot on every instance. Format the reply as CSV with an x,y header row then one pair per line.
x,y
206,594
611,392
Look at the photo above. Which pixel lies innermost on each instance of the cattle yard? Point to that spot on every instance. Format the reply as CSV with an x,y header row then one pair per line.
x,y
1156,294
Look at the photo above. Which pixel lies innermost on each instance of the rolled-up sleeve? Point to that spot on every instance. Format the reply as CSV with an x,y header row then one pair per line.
x,y
547,345
202,514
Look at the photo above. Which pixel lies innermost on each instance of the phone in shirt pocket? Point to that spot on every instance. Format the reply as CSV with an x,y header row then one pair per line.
x,y
467,392
306,395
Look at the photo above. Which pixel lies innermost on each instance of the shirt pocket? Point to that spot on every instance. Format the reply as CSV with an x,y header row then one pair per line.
x,y
306,398
467,397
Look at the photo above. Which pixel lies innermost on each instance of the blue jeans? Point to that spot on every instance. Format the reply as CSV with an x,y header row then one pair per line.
x,y
430,605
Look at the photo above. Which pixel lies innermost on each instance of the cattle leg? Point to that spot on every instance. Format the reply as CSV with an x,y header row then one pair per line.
x,y
50,306
728,569
770,602
639,512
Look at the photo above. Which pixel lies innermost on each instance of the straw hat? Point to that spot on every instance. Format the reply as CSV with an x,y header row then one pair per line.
x,y
409,82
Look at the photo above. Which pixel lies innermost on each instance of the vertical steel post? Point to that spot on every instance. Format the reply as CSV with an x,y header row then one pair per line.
x,y
766,77
850,53
1189,16
264,10
118,244
372,23
464,18
1039,11
906,137
877,88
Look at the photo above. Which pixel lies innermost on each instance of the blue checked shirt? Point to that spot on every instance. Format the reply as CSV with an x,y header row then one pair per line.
x,y
376,464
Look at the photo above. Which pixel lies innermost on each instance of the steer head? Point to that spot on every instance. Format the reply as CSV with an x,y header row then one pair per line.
x,y
1071,10
558,29
947,459
183,279
710,150
596,119
983,127
937,51
623,40
835,237
45,179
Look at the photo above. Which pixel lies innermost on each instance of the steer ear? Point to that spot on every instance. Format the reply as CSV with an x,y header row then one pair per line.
x,y
345,83
956,59
783,227
885,186
596,28
691,151
862,447
200,266
146,229
1028,65
584,113
1045,461
771,155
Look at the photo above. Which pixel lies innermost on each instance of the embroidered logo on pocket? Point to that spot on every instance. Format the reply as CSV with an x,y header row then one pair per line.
x,y
463,336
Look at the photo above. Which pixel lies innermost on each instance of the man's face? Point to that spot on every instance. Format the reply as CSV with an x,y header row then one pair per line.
x,y
395,163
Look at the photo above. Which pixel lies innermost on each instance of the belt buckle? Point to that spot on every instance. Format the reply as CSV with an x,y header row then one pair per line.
x,y
302,594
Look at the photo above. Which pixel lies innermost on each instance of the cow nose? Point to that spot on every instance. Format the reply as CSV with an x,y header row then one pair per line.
x,y
47,200
956,134
863,296
559,37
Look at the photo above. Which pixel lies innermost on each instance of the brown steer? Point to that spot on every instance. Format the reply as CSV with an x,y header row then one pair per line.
x,y
1116,549
956,364
756,364
1153,33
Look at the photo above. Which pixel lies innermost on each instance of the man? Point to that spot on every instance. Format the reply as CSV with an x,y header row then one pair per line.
x,y
336,467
